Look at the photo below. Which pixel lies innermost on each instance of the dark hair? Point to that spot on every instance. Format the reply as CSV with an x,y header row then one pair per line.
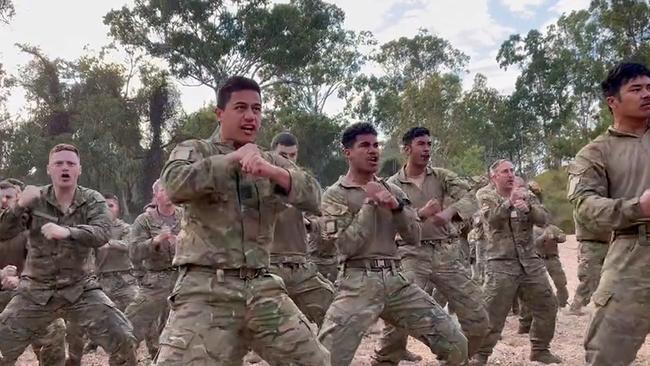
x,y
110,196
17,182
284,139
5,184
235,84
620,75
349,135
414,132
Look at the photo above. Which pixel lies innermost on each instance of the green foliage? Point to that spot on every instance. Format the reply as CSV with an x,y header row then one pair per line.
x,y
554,186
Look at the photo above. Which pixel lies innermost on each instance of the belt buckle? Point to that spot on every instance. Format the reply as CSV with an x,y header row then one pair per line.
x,y
644,235
243,273
381,263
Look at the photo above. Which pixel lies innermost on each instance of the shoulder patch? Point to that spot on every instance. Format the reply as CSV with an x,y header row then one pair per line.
x,y
181,152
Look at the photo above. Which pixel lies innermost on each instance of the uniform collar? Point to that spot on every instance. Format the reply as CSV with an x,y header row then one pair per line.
x,y
401,174
345,183
618,133
78,199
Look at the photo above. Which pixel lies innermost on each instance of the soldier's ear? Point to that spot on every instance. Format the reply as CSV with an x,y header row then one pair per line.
x,y
613,101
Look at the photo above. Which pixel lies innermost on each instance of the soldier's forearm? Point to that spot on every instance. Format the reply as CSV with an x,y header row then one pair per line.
x,y
305,191
89,235
11,223
358,232
185,181
602,214
408,225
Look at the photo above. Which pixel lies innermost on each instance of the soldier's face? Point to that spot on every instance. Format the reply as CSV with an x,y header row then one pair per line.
x,y
8,198
64,169
161,197
113,208
364,154
419,150
633,100
504,176
288,152
241,117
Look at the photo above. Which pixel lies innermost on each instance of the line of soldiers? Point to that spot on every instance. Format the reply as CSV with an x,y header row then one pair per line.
x,y
246,263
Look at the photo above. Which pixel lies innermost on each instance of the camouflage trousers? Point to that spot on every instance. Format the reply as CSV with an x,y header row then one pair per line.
x,y
328,267
621,322
49,347
149,310
308,289
216,317
478,267
363,296
24,320
121,288
556,272
449,279
591,256
504,280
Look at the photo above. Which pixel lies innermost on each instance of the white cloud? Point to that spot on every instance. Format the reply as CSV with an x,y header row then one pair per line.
x,y
523,8
566,6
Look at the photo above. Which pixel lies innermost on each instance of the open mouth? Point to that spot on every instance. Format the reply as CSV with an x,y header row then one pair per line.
x,y
65,176
373,160
248,129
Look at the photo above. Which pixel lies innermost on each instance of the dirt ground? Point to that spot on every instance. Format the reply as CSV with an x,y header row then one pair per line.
x,y
511,351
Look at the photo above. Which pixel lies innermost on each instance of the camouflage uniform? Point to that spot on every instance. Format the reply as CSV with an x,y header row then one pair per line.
x,y
57,281
371,285
148,312
322,252
225,300
592,250
309,289
605,182
546,241
476,238
50,348
436,262
113,268
513,265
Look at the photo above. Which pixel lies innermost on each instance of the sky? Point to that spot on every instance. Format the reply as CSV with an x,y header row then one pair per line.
x,y
67,28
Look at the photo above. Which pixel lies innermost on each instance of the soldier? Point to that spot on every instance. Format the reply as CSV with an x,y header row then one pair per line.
x,y
546,241
152,242
513,265
592,249
362,215
609,187
476,238
311,292
65,222
50,348
436,262
225,299
113,268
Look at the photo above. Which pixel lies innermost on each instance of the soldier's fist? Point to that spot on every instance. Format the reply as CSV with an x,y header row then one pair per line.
x,y
245,152
8,271
644,202
431,208
28,196
521,205
382,196
10,282
55,232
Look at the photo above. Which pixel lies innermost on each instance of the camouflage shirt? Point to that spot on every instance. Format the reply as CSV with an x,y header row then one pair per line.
x,y
229,216
547,239
59,265
362,230
114,255
584,234
290,237
444,186
14,251
606,180
509,231
146,227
